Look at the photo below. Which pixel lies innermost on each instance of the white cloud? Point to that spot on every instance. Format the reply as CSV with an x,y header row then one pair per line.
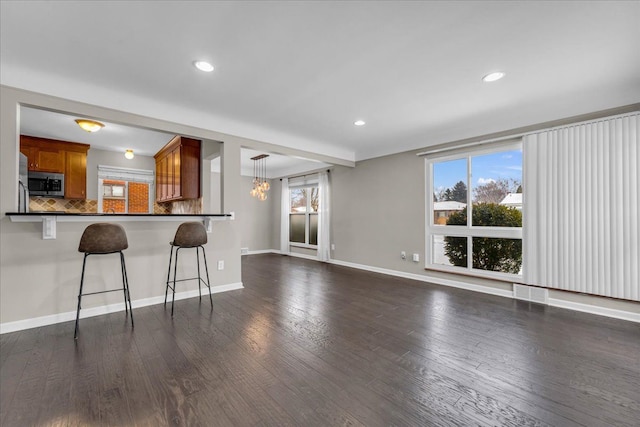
x,y
515,168
483,181
507,156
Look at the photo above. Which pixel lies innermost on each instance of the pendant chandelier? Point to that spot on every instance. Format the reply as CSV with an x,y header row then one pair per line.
x,y
260,184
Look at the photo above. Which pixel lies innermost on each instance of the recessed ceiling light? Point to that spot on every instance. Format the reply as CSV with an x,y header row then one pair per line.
x,y
203,66
359,123
492,77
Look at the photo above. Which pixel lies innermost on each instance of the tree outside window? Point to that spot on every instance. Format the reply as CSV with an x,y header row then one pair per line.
x,y
303,216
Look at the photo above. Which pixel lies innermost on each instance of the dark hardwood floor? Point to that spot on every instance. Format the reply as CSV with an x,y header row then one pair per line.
x,y
312,344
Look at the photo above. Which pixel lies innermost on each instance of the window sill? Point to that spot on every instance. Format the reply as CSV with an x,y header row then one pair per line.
x,y
303,245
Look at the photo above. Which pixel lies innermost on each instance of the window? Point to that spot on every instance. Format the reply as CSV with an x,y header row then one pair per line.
x,y
113,189
474,220
303,216
122,190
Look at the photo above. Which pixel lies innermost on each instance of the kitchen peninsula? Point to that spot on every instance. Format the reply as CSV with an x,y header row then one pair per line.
x,y
50,219
39,278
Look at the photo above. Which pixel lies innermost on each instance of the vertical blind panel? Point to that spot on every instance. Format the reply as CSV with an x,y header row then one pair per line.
x,y
582,206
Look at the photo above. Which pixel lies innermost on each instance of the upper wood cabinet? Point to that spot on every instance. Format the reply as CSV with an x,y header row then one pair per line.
x,y
41,155
50,155
178,170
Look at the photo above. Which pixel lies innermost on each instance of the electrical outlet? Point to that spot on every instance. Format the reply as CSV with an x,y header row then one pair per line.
x,y
333,246
403,255
220,265
416,257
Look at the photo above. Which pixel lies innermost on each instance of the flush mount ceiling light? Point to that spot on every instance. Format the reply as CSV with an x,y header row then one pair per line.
x,y
89,125
492,77
203,66
359,123
260,183
128,154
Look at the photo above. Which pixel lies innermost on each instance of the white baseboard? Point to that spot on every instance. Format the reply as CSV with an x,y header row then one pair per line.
x,y
20,325
586,308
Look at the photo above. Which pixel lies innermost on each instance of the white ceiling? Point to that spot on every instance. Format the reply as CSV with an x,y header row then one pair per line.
x,y
299,74
277,165
144,142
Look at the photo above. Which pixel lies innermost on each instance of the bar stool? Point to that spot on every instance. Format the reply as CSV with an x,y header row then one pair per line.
x,y
189,235
101,239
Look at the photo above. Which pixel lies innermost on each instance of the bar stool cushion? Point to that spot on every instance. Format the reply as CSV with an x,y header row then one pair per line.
x,y
103,238
190,235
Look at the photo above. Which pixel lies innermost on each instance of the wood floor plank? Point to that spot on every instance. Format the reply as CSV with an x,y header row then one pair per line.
x,y
314,344
10,376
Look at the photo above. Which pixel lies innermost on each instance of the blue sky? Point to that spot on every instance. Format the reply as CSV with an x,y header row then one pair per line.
x,y
505,164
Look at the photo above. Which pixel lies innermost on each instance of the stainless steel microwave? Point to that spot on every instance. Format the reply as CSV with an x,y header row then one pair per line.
x,y
46,184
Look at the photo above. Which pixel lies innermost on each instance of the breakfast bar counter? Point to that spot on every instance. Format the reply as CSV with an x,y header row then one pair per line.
x,y
50,219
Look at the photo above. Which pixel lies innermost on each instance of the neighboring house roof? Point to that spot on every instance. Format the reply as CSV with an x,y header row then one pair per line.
x,y
449,206
512,199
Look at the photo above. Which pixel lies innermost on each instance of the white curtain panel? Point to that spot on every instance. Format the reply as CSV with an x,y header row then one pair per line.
x,y
581,209
284,217
324,239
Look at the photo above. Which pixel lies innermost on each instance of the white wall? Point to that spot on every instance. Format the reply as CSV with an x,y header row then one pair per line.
x,y
40,278
97,157
378,211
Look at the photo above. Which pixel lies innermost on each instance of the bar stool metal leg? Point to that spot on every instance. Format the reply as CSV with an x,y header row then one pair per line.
x,y
166,289
189,235
124,287
206,269
175,272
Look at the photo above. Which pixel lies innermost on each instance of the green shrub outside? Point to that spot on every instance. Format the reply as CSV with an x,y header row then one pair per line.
x,y
494,254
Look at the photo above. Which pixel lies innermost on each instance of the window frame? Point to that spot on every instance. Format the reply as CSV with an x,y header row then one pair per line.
x,y
469,231
307,214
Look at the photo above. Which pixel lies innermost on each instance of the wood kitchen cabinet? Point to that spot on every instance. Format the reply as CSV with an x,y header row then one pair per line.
x,y
178,170
75,175
51,155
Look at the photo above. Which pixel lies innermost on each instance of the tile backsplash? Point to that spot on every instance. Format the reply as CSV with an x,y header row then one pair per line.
x,y
91,206
191,206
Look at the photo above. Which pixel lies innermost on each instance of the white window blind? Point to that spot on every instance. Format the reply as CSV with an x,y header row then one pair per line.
x,y
304,181
582,207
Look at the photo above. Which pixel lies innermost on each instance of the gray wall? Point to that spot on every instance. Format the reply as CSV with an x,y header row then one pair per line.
x,y
211,181
378,210
257,218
